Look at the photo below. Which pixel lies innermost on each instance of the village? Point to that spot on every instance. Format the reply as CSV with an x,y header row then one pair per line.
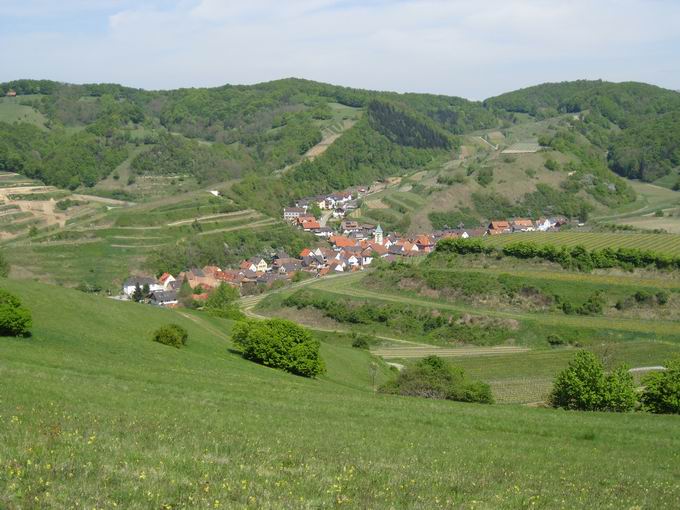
x,y
350,246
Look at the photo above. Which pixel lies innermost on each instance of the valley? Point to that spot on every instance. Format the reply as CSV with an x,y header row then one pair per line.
x,y
499,238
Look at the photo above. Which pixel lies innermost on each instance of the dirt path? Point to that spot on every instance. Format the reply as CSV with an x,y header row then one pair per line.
x,y
328,138
203,324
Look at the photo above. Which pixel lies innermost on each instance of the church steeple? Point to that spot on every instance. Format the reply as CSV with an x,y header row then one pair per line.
x,y
378,235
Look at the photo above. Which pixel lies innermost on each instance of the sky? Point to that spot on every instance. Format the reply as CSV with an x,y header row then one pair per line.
x,y
474,49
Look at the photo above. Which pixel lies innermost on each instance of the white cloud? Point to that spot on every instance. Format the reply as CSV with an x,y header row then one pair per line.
x,y
457,47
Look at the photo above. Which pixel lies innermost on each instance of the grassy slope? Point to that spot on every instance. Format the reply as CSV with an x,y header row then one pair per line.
x,y
94,414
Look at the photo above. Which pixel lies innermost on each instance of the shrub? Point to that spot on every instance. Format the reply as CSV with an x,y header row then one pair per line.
x,y
556,340
583,386
171,334
662,297
15,319
662,390
280,344
432,377
552,165
363,341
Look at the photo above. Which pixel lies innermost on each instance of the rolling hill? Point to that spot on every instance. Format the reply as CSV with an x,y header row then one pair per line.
x,y
554,149
94,412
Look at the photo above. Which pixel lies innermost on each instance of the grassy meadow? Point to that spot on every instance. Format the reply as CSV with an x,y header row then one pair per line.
x,y
94,414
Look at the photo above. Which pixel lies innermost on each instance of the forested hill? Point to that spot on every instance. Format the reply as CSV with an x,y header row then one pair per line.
x,y
637,123
75,135
259,128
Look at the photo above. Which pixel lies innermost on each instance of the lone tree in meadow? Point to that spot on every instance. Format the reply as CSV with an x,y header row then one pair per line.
x,y
584,386
15,319
280,343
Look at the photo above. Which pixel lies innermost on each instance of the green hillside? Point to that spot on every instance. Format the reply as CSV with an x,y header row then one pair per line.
x,y
94,412
555,149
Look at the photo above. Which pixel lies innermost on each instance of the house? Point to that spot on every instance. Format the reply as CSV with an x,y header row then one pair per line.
x,y
337,265
499,227
290,213
214,192
341,242
11,93
306,252
310,225
544,224
290,267
280,262
522,225
133,282
166,280
323,232
164,297
348,226
260,264
255,265
424,243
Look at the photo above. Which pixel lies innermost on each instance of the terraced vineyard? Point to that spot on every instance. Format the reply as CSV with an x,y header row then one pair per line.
x,y
663,243
101,249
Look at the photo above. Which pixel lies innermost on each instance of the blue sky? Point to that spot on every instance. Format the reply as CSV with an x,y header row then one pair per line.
x,y
472,49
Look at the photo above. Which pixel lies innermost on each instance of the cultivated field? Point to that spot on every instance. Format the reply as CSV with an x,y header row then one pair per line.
x,y
663,243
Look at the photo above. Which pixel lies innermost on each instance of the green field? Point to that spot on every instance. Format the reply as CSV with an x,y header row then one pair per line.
x,y
663,243
94,414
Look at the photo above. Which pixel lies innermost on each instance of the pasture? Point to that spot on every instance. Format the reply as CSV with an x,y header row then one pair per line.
x,y
92,411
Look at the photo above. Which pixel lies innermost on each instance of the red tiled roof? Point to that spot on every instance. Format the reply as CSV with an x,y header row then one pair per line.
x,y
500,225
342,241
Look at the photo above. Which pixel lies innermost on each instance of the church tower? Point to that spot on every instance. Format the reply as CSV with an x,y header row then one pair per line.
x,y
378,235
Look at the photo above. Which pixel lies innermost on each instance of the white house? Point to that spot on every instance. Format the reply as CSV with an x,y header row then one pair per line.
x,y
133,282
544,225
